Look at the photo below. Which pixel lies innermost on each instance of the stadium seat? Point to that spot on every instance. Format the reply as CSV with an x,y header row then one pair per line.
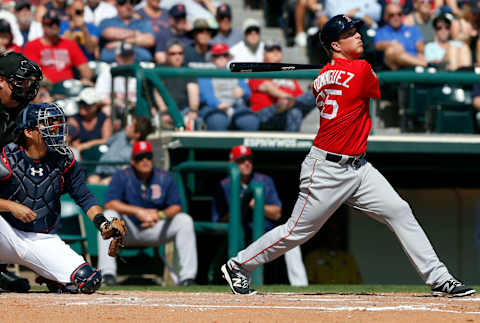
x,y
439,108
90,158
452,109
66,89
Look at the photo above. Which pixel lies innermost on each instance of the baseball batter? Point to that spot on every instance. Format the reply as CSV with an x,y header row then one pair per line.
x,y
335,171
34,172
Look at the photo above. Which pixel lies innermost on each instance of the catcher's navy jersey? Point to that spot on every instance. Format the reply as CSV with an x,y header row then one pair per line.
x,y
39,184
159,192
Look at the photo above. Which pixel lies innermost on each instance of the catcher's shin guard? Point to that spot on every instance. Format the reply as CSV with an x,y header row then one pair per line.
x,y
86,279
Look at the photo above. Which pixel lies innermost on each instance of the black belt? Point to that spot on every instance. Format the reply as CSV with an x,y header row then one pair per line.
x,y
354,161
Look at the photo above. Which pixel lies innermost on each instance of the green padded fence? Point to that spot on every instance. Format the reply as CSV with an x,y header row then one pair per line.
x,y
155,75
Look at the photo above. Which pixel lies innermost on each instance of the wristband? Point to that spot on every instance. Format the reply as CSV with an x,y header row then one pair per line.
x,y
161,215
98,220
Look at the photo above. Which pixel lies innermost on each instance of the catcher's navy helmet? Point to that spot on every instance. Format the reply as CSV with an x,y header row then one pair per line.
x,y
335,27
50,120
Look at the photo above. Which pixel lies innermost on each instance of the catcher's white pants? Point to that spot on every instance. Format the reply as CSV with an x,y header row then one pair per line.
x,y
44,253
324,186
179,229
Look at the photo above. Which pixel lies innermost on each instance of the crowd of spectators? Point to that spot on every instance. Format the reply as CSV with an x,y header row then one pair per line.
x,y
402,31
65,37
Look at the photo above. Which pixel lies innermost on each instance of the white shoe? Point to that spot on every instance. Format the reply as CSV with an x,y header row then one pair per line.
x,y
301,39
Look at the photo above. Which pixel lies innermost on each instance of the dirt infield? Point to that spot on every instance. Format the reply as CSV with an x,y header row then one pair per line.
x,y
153,306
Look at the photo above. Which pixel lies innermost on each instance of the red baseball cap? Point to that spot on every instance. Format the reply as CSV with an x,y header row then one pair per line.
x,y
239,151
219,48
141,146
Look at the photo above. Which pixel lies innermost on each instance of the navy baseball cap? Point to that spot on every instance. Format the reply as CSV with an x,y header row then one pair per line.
x,y
178,11
224,10
50,17
335,27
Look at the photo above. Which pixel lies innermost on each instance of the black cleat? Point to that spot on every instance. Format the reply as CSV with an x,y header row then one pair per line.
x,y
12,283
109,280
238,279
452,288
187,282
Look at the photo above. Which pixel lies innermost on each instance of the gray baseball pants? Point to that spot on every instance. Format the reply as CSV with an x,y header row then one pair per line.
x,y
324,186
179,229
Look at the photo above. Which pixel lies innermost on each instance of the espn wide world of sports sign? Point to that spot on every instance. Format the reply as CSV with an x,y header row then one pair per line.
x,y
277,143
423,143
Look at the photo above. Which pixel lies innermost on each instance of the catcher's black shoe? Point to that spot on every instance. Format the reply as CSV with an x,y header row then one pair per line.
x,y
452,288
109,280
57,287
12,283
187,282
238,279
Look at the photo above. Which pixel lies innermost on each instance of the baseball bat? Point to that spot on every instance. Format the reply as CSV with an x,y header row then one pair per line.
x,y
243,67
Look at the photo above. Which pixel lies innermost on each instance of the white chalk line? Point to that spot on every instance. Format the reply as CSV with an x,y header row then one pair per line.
x,y
165,301
325,309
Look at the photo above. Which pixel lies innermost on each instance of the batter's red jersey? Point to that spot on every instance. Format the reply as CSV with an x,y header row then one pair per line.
x,y
343,90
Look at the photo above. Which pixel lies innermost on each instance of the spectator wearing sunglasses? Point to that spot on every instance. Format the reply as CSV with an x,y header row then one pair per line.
x,y
125,28
56,55
177,18
85,34
402,46
445,53
196,53
183,90
225,100
147,199
422,18
250,49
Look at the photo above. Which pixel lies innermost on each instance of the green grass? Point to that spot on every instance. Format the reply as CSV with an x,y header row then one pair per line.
x,y
312,289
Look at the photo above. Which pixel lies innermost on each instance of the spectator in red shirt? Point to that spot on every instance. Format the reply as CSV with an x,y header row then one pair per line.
x,y
57,56
6,37
280,104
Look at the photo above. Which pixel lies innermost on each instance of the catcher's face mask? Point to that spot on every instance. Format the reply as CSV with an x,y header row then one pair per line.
x,y
25,83
52,125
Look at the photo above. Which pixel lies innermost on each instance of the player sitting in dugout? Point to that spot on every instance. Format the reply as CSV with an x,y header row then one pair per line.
x,y
35,171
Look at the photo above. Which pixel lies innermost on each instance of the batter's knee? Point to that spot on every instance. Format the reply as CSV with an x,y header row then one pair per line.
x,y
86,278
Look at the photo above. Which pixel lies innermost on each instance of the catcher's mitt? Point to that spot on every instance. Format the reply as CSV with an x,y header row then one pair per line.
x,y
114,246
116,230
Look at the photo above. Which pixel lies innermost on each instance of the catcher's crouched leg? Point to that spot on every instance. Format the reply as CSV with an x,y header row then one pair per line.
x,y
86,279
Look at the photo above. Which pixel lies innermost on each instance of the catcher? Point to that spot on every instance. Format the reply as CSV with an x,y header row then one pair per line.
x,y
35,171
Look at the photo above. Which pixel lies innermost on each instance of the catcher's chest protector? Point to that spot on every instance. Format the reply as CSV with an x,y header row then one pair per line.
x,y
37,184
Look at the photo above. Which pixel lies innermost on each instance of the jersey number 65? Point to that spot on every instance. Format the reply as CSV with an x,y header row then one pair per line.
x,y
327,101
